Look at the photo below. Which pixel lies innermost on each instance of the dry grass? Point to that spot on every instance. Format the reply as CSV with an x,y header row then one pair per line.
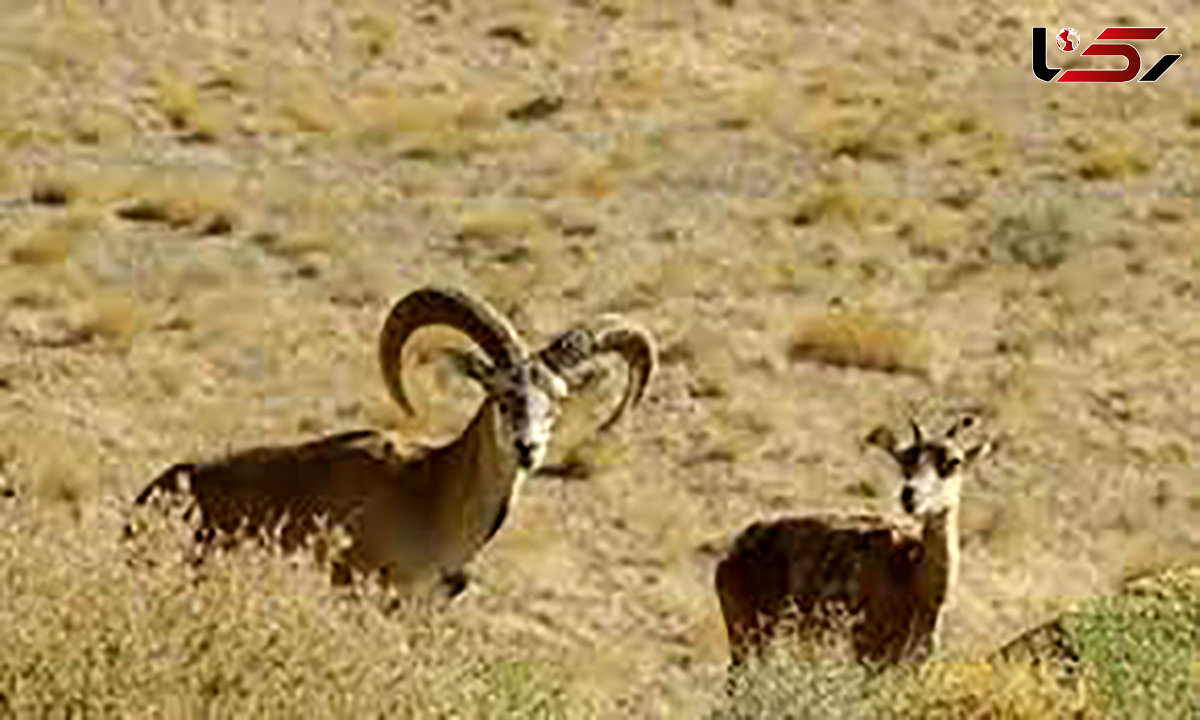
x,y
246,635
48,247
861,339
186,108
112,319
818,678
494,223
54,241
200,202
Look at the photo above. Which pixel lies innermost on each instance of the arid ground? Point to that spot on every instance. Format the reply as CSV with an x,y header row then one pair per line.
x,y
830,218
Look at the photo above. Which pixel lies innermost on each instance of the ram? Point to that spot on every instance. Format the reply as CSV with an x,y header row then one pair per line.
x,y
414,519
883,581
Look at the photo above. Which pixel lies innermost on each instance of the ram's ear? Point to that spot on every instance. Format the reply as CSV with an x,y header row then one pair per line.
x,y
470,364
549,381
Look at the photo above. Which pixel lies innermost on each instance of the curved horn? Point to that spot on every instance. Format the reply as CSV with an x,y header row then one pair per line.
x,y
916,431
607,334
443,306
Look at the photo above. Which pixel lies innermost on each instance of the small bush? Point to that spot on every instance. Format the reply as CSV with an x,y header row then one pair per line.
x,y
818,678
1138,650
862,340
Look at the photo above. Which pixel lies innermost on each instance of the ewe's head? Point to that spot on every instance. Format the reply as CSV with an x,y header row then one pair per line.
x,y
525,389
932,468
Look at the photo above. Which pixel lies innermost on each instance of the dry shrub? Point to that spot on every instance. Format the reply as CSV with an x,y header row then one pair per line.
x,y
960,689
53,241
186,107
97,626
115,319
426,125
49,465
492,223
310,106
199,201
816,676
1111,157
53,191
46,247
860,132
799,677
100,125
861,339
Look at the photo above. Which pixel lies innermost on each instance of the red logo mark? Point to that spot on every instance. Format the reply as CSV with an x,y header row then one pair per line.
x,y
1068,40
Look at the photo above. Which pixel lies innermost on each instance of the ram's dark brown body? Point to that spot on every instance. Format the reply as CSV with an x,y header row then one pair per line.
x,y
415,519
396,511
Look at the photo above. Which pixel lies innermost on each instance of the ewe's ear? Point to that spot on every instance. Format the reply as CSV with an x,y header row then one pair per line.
x,y
977,452
883,438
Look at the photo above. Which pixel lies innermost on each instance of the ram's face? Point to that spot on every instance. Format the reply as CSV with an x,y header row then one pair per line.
x,y
527,398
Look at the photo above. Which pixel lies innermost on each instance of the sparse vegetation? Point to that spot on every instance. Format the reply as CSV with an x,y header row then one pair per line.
x,y
493,223
818,678
113,319
132,630
202,204
53,242
1138,649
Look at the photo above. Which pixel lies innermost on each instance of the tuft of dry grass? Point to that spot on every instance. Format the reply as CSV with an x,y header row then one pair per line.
x,y
861,339
194,201
47,247
501,222
963,689
1111,157
835,201
186,108
53,191
424,125
309,106
101,125
53,241
817,677
113,319
299,246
